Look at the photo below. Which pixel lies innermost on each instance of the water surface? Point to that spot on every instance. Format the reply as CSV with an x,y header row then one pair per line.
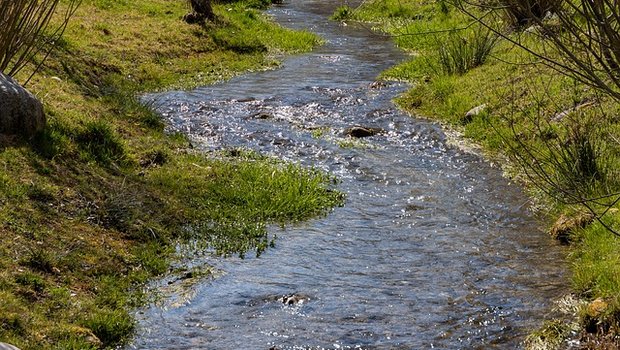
x,y
433,249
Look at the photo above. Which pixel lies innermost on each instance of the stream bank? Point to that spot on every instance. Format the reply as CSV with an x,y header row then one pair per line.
x,y
525,112
93,207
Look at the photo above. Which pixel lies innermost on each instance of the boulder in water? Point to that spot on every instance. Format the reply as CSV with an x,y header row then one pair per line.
x,y
21,113
361,131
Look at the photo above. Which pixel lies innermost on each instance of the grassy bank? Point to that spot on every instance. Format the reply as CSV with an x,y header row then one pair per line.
x,y
93,207
523,113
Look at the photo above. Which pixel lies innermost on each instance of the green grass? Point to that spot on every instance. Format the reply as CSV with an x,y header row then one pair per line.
x,y
233,199
524,102
94,206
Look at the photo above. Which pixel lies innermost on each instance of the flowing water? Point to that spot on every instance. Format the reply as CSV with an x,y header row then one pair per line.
x,y
433,249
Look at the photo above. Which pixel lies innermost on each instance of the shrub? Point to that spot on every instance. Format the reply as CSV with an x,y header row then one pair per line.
x,y
25,31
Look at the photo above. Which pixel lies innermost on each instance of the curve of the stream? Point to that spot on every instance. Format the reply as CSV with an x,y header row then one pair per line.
x,y
433,249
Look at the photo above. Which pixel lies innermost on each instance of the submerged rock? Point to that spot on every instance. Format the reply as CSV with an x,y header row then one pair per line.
x,y
360,131
377,85
21,113
262,115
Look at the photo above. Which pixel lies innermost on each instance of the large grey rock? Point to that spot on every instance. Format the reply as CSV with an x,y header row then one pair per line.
x,y
5,346
21,113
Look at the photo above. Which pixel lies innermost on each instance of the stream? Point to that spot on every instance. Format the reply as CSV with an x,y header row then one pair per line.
x,y
433,248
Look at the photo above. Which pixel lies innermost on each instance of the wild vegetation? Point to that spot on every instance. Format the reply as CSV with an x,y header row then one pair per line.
x,y
25,33
95,205
491,71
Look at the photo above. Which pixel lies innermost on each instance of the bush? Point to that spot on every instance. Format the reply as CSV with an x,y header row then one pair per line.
x,y
24,35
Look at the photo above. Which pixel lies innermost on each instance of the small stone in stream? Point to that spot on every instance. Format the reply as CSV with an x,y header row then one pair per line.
x,y
187,275
293,299
413,207
262,115
359,131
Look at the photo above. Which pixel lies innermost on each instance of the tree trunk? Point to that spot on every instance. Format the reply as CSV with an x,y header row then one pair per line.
x,y
201,11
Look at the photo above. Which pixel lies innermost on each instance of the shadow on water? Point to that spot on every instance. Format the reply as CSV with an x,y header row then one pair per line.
x,y
432,250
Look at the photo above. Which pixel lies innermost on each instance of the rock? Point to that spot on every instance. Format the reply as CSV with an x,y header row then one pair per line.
x,y
469,116
262,115
359,131
5,346
21,113
565,226
377,85
597,307
293,299
93,340
413,207
559,116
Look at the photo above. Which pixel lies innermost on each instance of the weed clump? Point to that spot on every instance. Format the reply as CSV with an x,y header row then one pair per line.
x,y
40,259
110,326
342,13
460,53
100,143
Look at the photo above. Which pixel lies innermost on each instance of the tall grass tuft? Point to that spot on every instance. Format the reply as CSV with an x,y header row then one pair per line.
x,y
26,30
342,13
460,53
